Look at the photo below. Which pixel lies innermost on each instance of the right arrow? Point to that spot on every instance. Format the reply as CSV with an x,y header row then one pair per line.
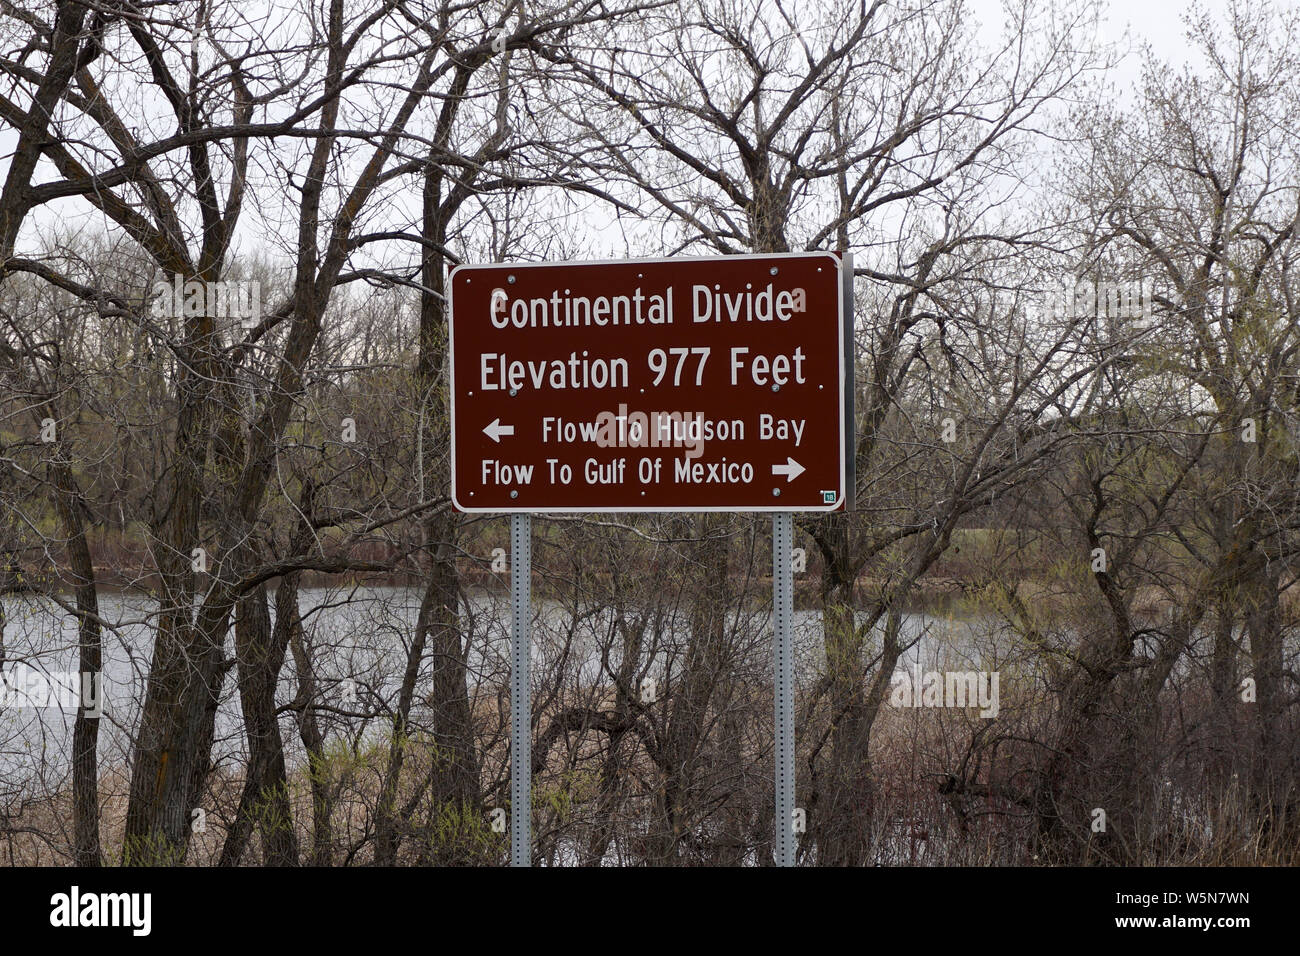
x,y
495,430
791,469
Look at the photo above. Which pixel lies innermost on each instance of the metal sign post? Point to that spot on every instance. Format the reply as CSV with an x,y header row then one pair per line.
x,y
521,691
850,393
783,672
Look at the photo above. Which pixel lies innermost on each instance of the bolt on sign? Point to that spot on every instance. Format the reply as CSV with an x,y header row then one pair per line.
x,y
687,384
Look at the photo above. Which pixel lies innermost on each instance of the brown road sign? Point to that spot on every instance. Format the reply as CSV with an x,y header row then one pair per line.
x,y
649,385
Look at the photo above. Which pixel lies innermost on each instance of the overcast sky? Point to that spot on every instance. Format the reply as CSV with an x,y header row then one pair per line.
x,y
1157,22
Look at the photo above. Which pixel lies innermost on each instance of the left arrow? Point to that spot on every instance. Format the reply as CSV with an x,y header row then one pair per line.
x,y
495,430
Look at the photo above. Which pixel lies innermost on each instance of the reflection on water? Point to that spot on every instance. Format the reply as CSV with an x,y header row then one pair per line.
x,y
358,639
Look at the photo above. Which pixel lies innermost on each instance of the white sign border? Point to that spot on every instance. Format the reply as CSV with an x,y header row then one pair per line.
x,y
838,262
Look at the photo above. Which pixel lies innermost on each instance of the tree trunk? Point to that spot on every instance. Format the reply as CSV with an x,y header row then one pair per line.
x,y
85,731
313,740
693,692
264,803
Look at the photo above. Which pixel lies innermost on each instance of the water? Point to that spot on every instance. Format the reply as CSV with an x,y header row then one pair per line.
x,y
358,638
